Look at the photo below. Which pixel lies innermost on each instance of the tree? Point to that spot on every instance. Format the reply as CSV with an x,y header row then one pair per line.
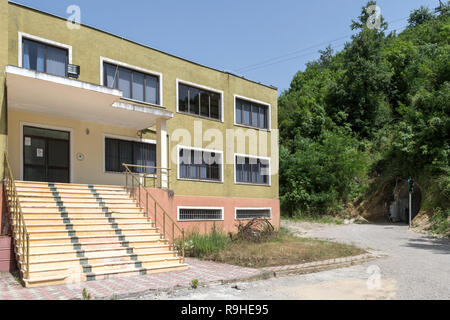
x,y
419,16
378,109
359,97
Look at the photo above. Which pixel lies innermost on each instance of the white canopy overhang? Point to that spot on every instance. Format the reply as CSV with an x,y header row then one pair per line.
x,y
39,92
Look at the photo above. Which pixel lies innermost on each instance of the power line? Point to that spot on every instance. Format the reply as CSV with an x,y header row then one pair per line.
x,y
274,60
291,53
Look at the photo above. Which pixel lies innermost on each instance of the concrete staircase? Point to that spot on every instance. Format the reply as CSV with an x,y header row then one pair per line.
x,y
88,232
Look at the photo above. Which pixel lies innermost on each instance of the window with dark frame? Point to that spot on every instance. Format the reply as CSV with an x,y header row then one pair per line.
x,y
247,214
252,114
44,58
199,165
190,214
130,152
200,102
135,85
252,170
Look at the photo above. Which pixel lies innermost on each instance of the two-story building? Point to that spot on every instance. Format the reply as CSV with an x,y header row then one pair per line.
x,y
78,103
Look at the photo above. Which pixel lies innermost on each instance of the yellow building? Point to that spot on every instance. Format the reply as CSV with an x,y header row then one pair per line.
x,y
79,102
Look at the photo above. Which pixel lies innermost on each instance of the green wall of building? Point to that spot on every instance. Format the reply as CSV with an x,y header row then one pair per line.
x,y
89,45
3,62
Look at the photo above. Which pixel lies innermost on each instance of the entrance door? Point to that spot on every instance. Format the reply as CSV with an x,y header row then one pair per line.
x,y
46,155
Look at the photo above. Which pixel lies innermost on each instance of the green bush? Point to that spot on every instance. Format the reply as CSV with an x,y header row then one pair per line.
x,y
198,245
375,111
194,284
440,222
321,173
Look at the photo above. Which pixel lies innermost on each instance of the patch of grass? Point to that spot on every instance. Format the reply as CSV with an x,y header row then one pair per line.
x,y
282,249
315,218
86,295
17,279
198,245
194,284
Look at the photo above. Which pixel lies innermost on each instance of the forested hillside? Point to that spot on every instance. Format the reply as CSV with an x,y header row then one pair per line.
x,y
376,111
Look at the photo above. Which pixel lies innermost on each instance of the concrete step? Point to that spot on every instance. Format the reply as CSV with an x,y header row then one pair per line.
x,y
52,195
83,231
105,224
65,185
66,209
81,215
66,200
98,245
67,278
33,221
86,232
98,258
70,204
74,267
38,190
84,239
67,253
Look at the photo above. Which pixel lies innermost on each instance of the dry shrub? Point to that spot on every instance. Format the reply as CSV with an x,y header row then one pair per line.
x,y
255,230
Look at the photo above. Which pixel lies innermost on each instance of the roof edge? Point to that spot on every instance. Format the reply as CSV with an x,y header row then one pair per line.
x,y
145,46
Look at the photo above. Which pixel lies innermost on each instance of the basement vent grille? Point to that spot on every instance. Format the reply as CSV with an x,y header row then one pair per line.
x,y
247,214
200,214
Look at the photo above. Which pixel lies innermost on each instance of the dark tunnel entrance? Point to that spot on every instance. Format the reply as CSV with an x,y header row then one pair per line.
x,y
399,206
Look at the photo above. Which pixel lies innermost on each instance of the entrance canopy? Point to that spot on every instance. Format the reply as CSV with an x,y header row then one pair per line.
x,y
39,92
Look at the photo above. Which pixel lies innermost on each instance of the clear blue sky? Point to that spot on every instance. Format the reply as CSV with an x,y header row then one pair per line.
x,y
233,34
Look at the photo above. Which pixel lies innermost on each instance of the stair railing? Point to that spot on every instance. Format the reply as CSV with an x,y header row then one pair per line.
x,y
151,173
138,190
21,237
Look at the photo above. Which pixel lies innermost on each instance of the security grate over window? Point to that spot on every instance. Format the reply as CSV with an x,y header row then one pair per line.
x,y
200,214
244,214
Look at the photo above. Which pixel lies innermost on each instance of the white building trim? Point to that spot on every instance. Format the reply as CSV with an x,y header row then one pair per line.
x,y
200,208
250,209
199,86
199,149
253,157
23,35
136,68
43,126
269,112
126,138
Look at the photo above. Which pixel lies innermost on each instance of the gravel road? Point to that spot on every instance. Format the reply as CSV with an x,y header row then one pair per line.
x,y
416,266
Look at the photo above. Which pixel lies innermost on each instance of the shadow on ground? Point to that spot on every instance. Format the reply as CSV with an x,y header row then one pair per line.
x,y
430,243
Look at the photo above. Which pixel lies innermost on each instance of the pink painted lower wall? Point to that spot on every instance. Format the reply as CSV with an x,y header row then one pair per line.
x,y
7,261
229,224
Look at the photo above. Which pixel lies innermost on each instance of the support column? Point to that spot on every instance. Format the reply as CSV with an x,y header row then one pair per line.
x,y
161,153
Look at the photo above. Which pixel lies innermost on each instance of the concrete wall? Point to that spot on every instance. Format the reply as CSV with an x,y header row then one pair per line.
x,y
3,62
89,45
7,260
228,224
90,169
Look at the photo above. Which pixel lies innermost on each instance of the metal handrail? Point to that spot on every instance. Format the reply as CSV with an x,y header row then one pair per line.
x,y
148,195
154,175
21,236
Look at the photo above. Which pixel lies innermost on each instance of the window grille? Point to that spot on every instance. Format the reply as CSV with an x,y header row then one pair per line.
x,y
192,214
247,214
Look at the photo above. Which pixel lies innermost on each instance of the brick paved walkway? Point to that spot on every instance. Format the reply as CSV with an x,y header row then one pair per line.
x,y
204,271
